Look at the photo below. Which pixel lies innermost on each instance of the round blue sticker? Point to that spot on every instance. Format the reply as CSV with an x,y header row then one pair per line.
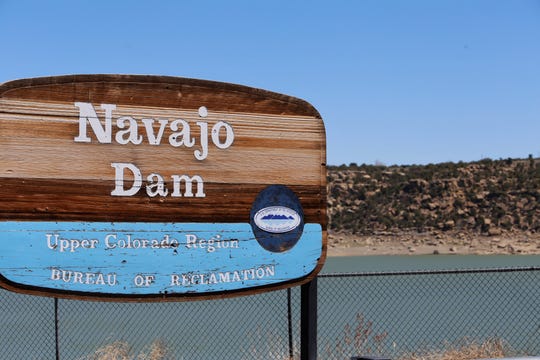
x,y
277,218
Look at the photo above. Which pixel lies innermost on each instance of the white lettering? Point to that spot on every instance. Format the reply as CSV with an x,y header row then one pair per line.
x,y
203,152
191,240
100,280
55,274
144,280
184,135
55,242
212,244
229,135
108,238
270,271
86,278
155,183
87,113
188,181
149,125
224,277
155,187
249,272
127,130
113,241
175,280
132,131
90,278
119,189
49,242
212,278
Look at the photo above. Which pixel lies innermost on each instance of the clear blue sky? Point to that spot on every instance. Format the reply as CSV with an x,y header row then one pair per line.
x,y
397,82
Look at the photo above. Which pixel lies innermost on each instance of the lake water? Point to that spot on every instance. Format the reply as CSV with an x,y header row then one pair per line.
x,y
348,264
427,310
413,310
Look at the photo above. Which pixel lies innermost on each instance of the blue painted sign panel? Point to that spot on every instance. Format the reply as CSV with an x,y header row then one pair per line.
x,y
149,258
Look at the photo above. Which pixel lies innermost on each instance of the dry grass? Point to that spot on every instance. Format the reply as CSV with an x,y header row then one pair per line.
x,y
464,350
360,339
269,346
357,340
120,350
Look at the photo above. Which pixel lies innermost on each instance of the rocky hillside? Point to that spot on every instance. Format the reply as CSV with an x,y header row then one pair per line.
x,y
487,197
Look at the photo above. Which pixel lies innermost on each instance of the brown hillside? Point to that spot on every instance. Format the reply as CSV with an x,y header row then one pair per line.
x,y
484,198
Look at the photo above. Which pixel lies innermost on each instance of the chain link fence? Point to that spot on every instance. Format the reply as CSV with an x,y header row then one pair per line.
x,y
392,314
380,314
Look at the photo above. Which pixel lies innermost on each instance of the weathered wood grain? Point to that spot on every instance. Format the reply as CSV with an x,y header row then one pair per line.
x,y
156,91
45,202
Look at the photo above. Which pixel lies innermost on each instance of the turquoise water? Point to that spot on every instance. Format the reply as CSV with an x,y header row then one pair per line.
x,y
429,310
348,264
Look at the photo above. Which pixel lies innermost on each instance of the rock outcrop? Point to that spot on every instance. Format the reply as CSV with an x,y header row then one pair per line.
x,y
488,197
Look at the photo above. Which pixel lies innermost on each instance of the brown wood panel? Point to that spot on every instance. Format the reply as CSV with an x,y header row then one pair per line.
x,y
265,147
46,200
156,91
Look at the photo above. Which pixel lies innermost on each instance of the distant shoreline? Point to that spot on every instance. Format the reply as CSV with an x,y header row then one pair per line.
x,y
436,243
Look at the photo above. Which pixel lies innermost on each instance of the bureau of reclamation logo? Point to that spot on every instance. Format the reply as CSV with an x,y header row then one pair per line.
x,y
277,219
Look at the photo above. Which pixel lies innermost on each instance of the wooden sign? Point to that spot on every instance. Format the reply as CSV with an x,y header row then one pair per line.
x,y
146,188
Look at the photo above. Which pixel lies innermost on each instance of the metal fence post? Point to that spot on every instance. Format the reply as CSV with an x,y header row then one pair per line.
x,y
289,324
56,328
308,321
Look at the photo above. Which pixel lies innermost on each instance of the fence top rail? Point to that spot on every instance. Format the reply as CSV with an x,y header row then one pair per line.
x,y
432,272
